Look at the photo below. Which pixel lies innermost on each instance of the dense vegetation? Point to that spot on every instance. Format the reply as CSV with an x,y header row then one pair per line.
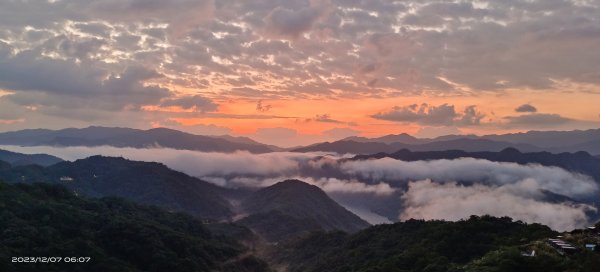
x,y
413,245
292,208
48,220
142,182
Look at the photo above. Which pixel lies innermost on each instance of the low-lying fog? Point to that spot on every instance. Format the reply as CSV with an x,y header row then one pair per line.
x,y
385,189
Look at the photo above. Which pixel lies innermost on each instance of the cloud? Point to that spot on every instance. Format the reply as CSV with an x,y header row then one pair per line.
x,y
54,82
327,184
469,170
325,118
452,201
526,108
538,120
289,23
425,114
228,50
181,15
262,108
437,189
226,169
195,102
184,38
11,121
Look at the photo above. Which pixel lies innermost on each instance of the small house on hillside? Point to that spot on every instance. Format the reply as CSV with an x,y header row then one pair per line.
x,y
66,179
562,247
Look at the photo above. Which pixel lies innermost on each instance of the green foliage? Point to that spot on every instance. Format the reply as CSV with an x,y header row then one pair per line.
x,y
141,182
292,208
48,220
413,245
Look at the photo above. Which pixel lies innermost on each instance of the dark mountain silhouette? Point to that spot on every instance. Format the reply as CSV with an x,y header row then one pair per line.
x,y
292,208
246,140
17,159
579,162
552,141
45,220
592,147
389,139
345,146
127,137
142,182
471,145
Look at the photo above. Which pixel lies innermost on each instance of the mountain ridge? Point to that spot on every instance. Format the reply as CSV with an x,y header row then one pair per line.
x,y
304,207
473,145
129,137
17,159
551,141
142,182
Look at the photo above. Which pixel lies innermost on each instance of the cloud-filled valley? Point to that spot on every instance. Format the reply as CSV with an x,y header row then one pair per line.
x,y
397,190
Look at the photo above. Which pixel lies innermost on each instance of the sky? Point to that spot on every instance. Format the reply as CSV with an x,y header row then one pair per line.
x,y
295,72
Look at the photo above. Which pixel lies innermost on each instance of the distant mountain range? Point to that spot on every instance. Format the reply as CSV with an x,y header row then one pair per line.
x,y
533,141
470,145
293,208
17,159
128,137
579,162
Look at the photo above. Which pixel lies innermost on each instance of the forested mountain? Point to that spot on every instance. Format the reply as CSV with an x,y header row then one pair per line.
x,y
289,224
128,137
44,220
477,244
292,208
25,159
142,182
286,209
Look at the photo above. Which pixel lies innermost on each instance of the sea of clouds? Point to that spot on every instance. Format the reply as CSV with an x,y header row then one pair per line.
x,y
383,190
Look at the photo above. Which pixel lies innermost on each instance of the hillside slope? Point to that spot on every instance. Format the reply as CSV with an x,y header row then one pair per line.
x,y
48,220
292,208
142,182
413,245
17,159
